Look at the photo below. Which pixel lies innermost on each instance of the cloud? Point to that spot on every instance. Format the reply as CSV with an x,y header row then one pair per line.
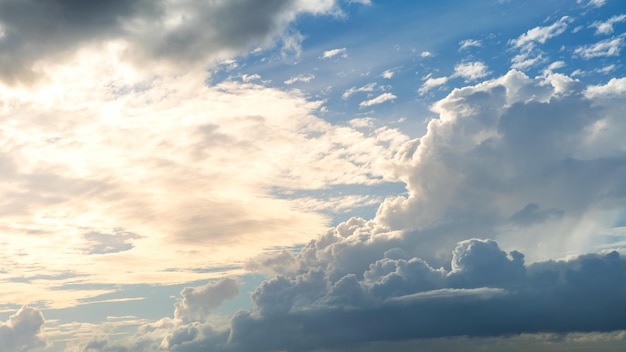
x,y
606,27
103,243
471,71
340,52
377,100
399,297
387,74
21,332
593,3
176,34
370,87
431,83
527,42
468,43
198,302
116,150
426,54
300,78
608,47
541,34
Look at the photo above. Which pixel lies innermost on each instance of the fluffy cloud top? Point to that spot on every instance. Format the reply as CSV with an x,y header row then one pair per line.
x,y
22,331
503,160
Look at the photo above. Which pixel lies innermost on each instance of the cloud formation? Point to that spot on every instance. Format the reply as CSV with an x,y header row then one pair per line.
x,y
21,332
501,160
164,32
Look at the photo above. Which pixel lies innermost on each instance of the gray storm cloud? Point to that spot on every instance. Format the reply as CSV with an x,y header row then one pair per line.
x,y
174,32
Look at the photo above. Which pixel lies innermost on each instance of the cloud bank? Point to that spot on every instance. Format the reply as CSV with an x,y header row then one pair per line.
x,y
501,161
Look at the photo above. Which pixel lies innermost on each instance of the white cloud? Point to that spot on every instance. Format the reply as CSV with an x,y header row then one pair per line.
x,y
370,87
249,78
387,74
426,54
606,27
22,331
541,34
340,52
118,150
608,47
431,83
594,3
471,70
300,78
469,43
378,100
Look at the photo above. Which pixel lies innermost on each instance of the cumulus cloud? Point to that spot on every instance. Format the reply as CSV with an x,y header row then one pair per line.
x,y
527,43
608,47
198,302
471,70
21,332
340,52
171,32
378,100
514,158
399,297
606,27
432,82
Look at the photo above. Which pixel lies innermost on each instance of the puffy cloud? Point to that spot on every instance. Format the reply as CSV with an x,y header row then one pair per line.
x,y
340,52
527,42
399,297
502,145
541,34
608,47
173,32
431,83
471,70
606,27
22,331
377,100
198,302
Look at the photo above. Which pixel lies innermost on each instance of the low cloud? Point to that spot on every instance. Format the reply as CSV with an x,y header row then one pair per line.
x,y
21,332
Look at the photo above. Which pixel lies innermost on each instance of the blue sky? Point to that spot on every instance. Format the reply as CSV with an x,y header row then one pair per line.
x,y
323,175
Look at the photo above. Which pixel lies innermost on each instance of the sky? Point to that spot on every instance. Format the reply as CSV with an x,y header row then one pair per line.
x,y
312,175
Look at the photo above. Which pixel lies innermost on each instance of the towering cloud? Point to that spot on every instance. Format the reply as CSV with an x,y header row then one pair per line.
x,y
514,159
22,331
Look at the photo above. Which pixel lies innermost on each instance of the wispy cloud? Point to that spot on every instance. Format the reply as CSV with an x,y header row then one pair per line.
x,y
606,27
608,47
340,52
304,78
469,43
377,100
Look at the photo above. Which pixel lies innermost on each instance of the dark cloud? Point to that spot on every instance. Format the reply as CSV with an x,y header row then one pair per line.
x,y
198,302
21,331
179,33
103,243
487,293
